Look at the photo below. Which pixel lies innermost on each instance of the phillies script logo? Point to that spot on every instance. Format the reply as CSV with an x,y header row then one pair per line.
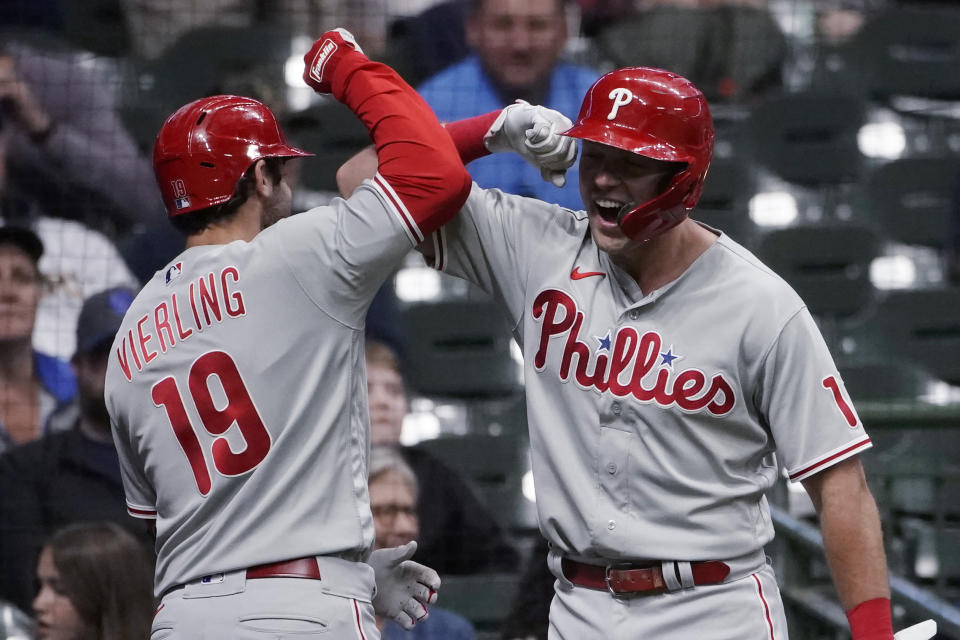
x,y
629,359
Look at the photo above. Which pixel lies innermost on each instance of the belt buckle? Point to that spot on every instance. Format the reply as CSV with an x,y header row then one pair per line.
x,y
606,577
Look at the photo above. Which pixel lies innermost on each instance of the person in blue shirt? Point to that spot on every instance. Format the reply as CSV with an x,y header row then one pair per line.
x,y
393,502
516,46
33,384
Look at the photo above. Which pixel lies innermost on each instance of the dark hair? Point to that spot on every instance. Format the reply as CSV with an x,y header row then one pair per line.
x,y
107,576
197,221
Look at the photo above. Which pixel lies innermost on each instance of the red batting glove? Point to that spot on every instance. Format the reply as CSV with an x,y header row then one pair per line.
x,y
870,620
324,56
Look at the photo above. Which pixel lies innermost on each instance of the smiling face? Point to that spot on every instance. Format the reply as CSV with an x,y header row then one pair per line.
x,y
518,40
611,178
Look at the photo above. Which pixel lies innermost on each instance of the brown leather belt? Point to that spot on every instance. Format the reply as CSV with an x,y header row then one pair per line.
x,y
629,579
299,568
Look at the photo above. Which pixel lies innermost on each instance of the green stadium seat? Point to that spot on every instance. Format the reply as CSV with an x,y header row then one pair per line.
x,y
910,198
725,203
494,466
827,264
903,50
729,53
484,599
808,138
333,133
460,349
921,326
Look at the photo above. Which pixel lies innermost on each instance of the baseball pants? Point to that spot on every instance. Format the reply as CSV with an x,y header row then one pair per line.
x,y
231,607
748,608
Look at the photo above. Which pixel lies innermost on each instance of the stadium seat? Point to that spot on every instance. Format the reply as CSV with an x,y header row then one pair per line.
x,y
460,349
484,599
910,198
726,198
907,51
333,133
666,37
97,26
808,138
730,53
921,326
874,378
827,264
494,466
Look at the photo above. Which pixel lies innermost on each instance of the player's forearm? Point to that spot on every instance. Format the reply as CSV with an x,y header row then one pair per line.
x,y
854,549
853,540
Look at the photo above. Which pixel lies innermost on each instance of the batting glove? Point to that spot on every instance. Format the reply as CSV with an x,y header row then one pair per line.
x,y
404,587
321,61
920,631
533,132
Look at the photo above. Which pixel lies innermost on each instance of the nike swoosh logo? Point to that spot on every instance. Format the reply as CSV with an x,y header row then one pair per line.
x,y
576,274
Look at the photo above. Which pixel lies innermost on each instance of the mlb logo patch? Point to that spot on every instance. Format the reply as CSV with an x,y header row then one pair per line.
x,y
216,578
182,203
173,272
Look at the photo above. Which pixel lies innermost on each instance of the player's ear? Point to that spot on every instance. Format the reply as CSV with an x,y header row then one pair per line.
x,y
263,182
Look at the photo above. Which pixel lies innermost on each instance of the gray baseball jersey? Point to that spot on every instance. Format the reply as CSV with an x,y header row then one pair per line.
x,y
655,420
239,373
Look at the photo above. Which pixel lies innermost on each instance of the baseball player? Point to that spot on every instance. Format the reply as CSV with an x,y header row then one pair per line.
x,y
667,372
236,386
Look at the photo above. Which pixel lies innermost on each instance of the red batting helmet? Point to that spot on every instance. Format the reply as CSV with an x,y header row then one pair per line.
x,y
206,146
660,115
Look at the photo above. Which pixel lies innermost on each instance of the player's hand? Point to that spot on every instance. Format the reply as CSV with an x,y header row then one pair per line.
x,y
404,587
533,132
321,61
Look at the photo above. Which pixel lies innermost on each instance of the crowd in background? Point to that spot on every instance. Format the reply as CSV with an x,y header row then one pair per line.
x,y
83,227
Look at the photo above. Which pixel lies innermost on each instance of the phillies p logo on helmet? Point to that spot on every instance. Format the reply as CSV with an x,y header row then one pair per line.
x,y
621,97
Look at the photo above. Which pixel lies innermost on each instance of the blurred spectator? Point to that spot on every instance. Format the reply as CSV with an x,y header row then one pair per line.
x,y
77,261
32,384
95,582
429,41
69,150
71,474
458,535
517,46
393,502
733,50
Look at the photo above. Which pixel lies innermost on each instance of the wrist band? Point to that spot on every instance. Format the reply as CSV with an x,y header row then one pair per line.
x,y
468,135
870,620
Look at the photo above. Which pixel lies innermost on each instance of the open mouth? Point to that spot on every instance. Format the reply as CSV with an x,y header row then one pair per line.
x,y
609,210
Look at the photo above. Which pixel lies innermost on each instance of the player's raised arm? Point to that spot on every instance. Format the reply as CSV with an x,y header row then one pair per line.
x,y
418,169
532,131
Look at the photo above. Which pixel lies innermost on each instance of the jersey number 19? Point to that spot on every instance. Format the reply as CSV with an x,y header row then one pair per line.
x,y
239,409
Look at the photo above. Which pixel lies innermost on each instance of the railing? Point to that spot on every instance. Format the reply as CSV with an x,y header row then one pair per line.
x,y
798,543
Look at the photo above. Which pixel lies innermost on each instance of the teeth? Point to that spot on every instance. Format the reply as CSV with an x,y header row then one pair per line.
x,y
609,204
